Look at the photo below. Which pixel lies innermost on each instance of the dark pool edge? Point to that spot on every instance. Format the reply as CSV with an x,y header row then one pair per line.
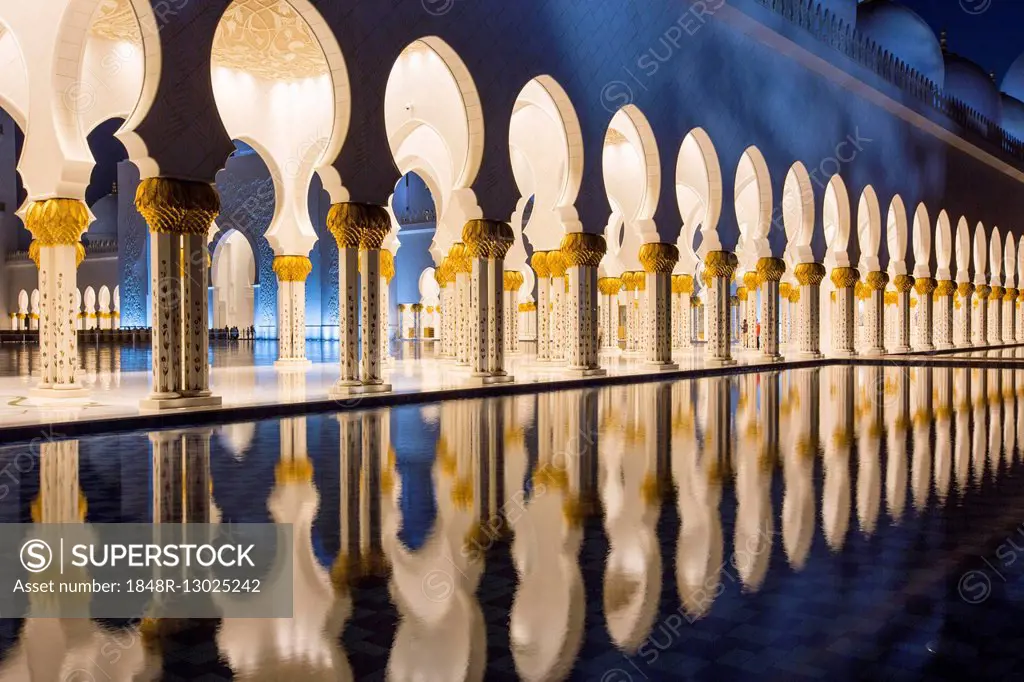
x,y
241,413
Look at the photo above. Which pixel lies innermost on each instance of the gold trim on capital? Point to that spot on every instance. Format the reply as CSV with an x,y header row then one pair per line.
x,y
996,293
785,289
347,221
609,286
539,263
770,270
682,284
57,222
844,278
292,268
659,257
460,261
742,293
556,263
750,280
719,264
809,273
177,206
983,291
924,285
965,289
1010,295
945,287
387,265
903,283
582,249
877,281
487,238
513,280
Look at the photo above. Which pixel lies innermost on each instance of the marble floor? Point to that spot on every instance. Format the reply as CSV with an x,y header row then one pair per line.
x,y
243,375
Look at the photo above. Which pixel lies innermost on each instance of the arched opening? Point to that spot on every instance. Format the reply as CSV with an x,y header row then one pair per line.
x,y
232,277
980,255
922,232
963,251
632,178
432,118
699,195
943,247
835,214
546,147
896,238
415,218
869,238
752,195
14,238
1010,262
798,217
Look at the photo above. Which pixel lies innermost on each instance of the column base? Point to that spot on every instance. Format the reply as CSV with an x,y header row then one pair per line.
x,y
900,349
48,393
773,358
926,348
656,366
293,363
363,389
720,362
477,381
844,353
158,404
873,352
810,356
584,372
944,346
343,388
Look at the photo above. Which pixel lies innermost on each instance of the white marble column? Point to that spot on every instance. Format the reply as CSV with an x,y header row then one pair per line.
x,y
344,221
540,267
901,337
981,293
478,305
719,267
965,290
1019,313
810,276
291,272
179,214
56,226
556,263
995,315
844,320
387,273
874,322
750,309
944,291
513,282
685,323
371,238
658,261
1009,315
609,288
769,275
925,287
582,253
463,266
632,282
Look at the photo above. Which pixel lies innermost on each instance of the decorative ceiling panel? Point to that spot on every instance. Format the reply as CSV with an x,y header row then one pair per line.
x,y
268,39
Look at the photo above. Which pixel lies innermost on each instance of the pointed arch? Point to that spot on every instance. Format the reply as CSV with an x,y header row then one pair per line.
x,y
1010,262
869,230
699,195
896,236
980,255
798,216
922,235
835,218
632,172
995,258
963,251
752,195
943,247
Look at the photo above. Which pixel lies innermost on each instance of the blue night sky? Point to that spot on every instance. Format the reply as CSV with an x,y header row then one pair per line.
x,y
992,38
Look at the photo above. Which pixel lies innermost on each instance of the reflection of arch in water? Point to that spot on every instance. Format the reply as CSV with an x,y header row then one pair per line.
x,y
232,278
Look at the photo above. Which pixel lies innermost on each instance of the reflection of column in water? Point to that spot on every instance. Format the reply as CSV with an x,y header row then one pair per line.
x,y
630,492
349,440
943,436
995,423
798,471
921,466
1009,423
979,389
1019,420
962,450
871,417
835,495
752,541
547,616
898,419
698,480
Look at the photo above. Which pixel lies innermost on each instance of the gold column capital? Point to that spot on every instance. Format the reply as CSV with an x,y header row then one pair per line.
x,y
945,287
582,249
750,280
903,283
57,222
996,293
742,293
459,257
659,257
512,280
891,298
809,273
965,289
1010,295
539,263
556,263
983,291
770,270
487,238
785,289
877,280
292,268
609,286
844,278
387,265
719,264
682,284
177,206
356,225
925,285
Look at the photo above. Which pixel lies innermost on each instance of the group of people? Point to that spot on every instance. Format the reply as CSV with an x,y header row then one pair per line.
x,y
234,333
744,330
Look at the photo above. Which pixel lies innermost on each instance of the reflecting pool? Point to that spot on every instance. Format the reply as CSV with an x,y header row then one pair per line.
x,y
858,522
